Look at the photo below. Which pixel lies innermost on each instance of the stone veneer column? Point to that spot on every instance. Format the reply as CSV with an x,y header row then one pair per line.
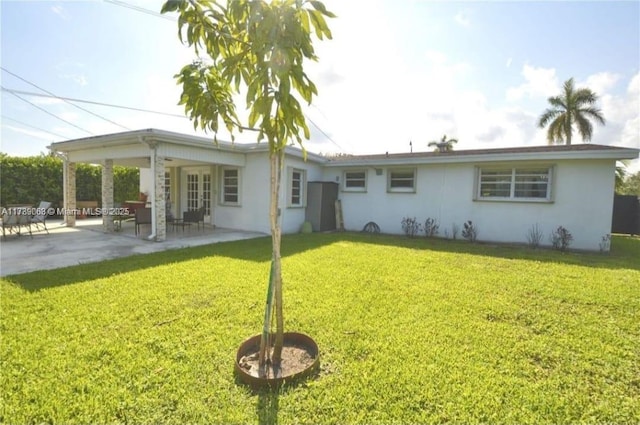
x,y
159,201
69,193
107,195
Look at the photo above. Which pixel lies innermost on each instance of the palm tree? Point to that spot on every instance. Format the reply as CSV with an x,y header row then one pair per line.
x,y
443,145
573,106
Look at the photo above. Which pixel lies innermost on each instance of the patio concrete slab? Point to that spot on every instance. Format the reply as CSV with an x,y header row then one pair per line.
x,y
86,243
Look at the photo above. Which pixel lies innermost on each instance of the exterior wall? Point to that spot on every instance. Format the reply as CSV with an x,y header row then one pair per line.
x,y
253,211
582,193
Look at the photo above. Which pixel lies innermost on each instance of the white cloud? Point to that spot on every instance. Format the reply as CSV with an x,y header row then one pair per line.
x,y
540,82
600,82
509,62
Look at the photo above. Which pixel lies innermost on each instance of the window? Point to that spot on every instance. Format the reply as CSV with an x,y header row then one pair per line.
x,y
525,184
297,181
402,180
230,193
355,181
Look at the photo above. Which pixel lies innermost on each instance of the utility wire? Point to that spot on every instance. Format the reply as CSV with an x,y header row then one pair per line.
x,y
32,126
325,134
47,112
141,9
70,99
57,97
160,15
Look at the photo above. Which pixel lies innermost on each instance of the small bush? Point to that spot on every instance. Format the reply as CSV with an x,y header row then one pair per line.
x,y
561,238
534,236
410,226
469,231
431,227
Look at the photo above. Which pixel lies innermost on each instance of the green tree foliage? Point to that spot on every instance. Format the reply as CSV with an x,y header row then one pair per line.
x,y
574,107
29,180
256,49
444,145
631,185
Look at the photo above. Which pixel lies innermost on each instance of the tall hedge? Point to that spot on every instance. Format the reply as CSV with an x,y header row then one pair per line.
x,y
29,180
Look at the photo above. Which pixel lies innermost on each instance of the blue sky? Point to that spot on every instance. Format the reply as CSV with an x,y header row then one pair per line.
x,y
396,71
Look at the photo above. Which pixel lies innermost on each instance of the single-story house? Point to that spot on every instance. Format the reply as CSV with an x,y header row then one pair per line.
x,y
504,192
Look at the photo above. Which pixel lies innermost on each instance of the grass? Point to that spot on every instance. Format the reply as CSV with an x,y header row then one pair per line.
x,y
410,331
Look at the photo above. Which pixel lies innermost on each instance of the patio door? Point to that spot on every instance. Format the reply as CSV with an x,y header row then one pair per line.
x,y
197,189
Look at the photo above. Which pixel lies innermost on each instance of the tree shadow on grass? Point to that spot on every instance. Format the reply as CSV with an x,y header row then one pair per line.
x,y
625,254
267,406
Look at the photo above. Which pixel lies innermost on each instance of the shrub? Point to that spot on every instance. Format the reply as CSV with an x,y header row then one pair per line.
x,y
431,227
534,236
561,238
410,226
469,231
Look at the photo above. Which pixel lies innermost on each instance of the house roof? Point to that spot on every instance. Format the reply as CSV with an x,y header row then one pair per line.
x,y
527,153
552,152
151,135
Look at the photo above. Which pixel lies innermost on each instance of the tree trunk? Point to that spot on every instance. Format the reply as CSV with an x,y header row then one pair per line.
x,y
277,164
275,275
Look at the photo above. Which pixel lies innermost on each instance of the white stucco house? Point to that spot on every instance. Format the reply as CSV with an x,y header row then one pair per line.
x,y
503,191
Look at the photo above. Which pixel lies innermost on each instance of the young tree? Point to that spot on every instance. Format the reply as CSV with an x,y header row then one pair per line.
x,y
256,48
572,107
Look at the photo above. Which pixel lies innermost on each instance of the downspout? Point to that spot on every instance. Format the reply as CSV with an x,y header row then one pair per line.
x,y
154,153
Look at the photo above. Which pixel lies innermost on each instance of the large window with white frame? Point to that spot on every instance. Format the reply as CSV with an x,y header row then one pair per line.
x,y
354,181
515,184
297,183
401,180
230,186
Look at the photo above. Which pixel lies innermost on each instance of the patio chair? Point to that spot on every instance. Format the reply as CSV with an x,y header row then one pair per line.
x,y
13,220
40,218
194,216
142,216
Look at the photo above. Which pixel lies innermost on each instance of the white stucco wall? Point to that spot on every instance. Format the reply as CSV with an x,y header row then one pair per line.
x,y
253,213
582,202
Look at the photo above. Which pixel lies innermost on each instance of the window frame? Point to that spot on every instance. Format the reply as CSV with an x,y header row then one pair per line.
x,y
401,189
513,173
345,180
302,196
223,187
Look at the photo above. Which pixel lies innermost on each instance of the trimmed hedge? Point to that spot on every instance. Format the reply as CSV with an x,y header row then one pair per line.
x,y
29,180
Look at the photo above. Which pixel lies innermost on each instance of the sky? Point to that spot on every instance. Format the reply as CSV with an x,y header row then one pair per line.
x,y
396,72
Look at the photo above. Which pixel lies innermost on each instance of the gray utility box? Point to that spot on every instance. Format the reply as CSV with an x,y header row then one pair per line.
x,y
321,205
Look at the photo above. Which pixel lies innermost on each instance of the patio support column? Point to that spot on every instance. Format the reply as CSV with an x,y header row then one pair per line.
x,y
69,192
107,195
158,199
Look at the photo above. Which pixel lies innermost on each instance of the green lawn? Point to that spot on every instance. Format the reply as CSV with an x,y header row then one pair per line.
x,y
410,331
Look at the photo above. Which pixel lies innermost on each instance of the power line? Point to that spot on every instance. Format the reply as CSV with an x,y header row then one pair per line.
x,y
47,112
57,97
325,134
110,105
32,126
141,9
160,15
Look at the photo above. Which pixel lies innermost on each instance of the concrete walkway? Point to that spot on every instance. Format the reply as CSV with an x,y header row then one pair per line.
x,y
85,243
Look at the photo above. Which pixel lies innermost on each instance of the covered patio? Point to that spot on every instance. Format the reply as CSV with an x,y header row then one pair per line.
x,y
178,173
